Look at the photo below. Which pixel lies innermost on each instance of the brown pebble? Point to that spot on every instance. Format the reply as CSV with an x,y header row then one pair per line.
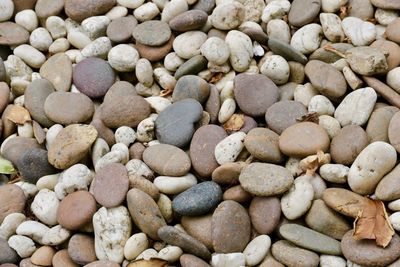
x,y
102,263
43,256
62,259
394,131
154,53
237,193
136,151
199,227
265,213
188,260
12,199
81,249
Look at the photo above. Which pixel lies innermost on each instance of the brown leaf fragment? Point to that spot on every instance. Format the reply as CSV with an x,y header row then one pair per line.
x,y
311,163
235,123
344,11
18,115
218,76
166,92
373,222
311,117
149,263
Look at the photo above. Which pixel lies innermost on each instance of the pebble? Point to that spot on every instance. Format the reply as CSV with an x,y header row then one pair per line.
x,y
111,192
275,10
120,30
174,185
232,236
307,39
30,55
188,21
76,177
79,10
297,15
366,252
310,239
76,210
81,249
198,200
378,123
58,70
241,50
176,237
215,50
229,148
291,255
323,219
192,66
173,9
13,34
358,31
334,173
7,254
102,263
228,173
263,144
123,64
45,205
12,199
24,246
265,213
343,201
332,27
228,259
113,222
283,114
297,201
228,108
390,48
135,245
71,145
202,149
180,133
86,77
43,256
257,249
191,86
40,39
61,258
188,260
393,135
374,161
367,60
276,68
152,33
123,107
228,16
391,32
145,213
199,227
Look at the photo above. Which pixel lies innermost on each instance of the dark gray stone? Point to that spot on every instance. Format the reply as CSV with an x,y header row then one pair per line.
x,y
7,254
191,86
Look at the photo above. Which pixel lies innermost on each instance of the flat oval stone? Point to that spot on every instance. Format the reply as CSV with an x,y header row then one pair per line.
x,y
388,188
62,258
188,21
205,5
145,213
123,107
110,185
198,200
154,53
191,86
290,255
283,114
120,30
152,33
303,12
7,254
386,4
391,49
303,139
68,108
202,148
58,70
347,144
391,31
228,173
367,253
323,219
13,34
35,96
361,9
93,77
76,210
185,114
12,200
310,239
393,131
175,237
332,85
167,160
213,104
238,194
33,165
47,8
192,66
81,249
199,227
71,144
265,179
378,124
265,214
343,201
230,227
79,10
255,93
103,263
263,144
330,57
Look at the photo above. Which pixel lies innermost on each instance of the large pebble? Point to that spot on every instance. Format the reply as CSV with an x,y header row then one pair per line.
x,y
7,254
229,148
358,31
241,51
344,201
367,60
290,255
230,227
124,63
120,30
180,133
393,131
13,34
370,166
12,200
307,39
283,114
145,213
356,107
79,10
135,245
297,201
188,44
174,185
303,12
188,21
257,249
112,228
228,16
191,86
198,200
379,122
71,145
81,249
152,33
58,70
200,228
265,213
45,205
263,144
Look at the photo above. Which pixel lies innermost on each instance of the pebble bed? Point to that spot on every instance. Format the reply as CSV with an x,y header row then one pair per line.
x,y
197,133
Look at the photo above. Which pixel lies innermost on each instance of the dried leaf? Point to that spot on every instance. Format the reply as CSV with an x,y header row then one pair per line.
x,y
330,48
18,114
166,92
235,123
149,263
312,117
311,163
344,11
214,79
6,167
373,222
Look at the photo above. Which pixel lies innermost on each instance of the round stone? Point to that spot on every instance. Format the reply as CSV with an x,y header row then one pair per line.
x,y
81,249
393,131
230,227
347,144
189,21
12,200
152,33
71,144
367,252
191,86
198,200
79,10
58,70
283,114
13,34
202,148
43,256
290,255
344,201
68,108
264,179
255,93
93,77
199,227
47,8
265,214
263,144
110,185
154,53
303,12
167,160
33,165
181,131
120,30
303,139
76,210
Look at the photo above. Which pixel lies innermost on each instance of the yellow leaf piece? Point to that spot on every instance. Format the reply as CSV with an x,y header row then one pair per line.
x,y
18,115
235,123
373,222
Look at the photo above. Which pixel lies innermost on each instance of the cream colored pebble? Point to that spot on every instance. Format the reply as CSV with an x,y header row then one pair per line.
x,y
227,109
172,61
78,39
229,148
298,199
59,45
97,48
214,49
77,177
33,229
29,189
174,185
393,79
145,130
40,39
45,206
10,224
276,68
144,72
158,103
56,26
228,16
30,55
330,124
308,38
241,50
135,245
23,245
47,181
117,12
123,57
170,253
146,12
187,44
352,79
385,16
25,130
95,26
165,206
331,6
125,135
172,9
164,78
334,173
332,27
52,133
304,93
321,105
27,18
6,10
257,249
358,31
130,3
275,10
279,29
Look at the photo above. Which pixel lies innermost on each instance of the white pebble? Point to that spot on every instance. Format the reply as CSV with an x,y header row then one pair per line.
x,y
117,12
98,48
386,16
10,224
56,236
158,103
331,6
47,181
276,68
393,79
394,205
170,253
96,26
27,18
78,39
228,260
6,9
76,177
334,173
145,130
321,105
144,72
332,27
123,57
395,220
228,149
174,185
119,154
135,245
147,254
138,169
40,39
172,9
188,44
33,229
52,133
172,61
307,39
227,109
130,3
330,124
23,245
25,130
56,26
241,50
59,45
125,135
279,29
29,189
304,93
228,16
30,55
45,206
331,261
275,10
359,32
296,202
146,12
164,78
257,249
215,50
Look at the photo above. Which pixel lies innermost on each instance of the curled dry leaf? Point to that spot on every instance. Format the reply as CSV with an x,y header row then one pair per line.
x,y
311,163
214,79
18,115
235,123
311,117
373,222
149,263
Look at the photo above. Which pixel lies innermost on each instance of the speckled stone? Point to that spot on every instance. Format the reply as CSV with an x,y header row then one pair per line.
x,y
265,213
283,114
